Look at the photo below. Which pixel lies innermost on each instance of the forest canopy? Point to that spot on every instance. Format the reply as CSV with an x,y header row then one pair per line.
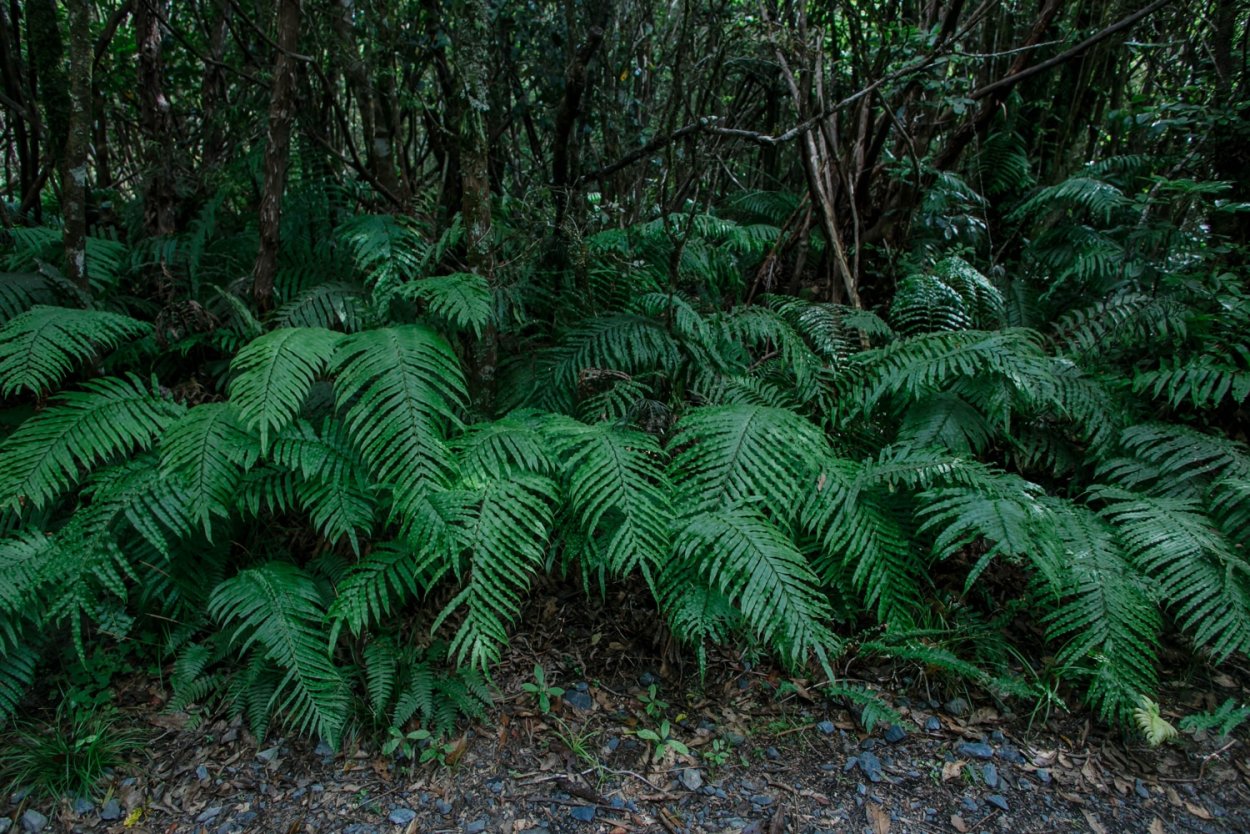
x,y
329,327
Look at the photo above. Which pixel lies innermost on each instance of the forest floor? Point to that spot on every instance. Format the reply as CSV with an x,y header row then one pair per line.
x,y
769,756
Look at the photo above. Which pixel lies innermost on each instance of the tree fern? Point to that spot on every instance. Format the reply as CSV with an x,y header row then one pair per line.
x,y
50,451
274,373
40,347
278,608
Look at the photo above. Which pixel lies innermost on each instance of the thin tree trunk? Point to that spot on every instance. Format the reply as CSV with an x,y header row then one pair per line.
x,y
77,143
157,120
277,152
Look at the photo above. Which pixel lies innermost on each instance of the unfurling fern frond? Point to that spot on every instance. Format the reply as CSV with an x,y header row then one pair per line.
x,y
400,387
279,608
1198,572
274,373
41,346
507,536
50,451
756,565
207,450
730,454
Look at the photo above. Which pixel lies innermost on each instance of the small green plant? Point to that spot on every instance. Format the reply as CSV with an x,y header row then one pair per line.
x,y
1153,726
541,691
652,704
663,740
1222,720
67,756
417,746
716,755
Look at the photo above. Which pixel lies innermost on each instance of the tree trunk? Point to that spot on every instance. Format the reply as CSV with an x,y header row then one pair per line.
x,y
47,64
157,122
77,143
277,152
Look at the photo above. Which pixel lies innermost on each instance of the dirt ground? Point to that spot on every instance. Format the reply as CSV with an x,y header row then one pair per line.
x,y
766,754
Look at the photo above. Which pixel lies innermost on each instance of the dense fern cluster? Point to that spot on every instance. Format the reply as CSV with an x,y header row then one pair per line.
x,y
341,534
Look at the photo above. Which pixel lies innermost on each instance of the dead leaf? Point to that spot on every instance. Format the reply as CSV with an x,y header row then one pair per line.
x,y
878,817
1095,825
984,715
952,770
1198,811
1156,826
957,823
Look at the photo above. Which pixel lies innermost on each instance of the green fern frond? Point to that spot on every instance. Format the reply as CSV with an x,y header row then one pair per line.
x,y
1088,196
17,675
381,668
400,387
1122,319
332,306
20,291
274,373
333,485
507,537
279,607
50,451
207,450
698,613
1174,460
728,454
42,345
617,488
946,420
516,442
391,574
388,251
834,331
749,560
1198,572
463,300
1204,382
158,508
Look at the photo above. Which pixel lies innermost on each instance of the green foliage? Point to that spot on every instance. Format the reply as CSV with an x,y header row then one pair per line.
x,y
68,756
40,347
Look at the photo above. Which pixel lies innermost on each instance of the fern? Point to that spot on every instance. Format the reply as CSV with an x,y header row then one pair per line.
x,y
48,453
207,450
17,674
40,347
279,608
274,373
462,300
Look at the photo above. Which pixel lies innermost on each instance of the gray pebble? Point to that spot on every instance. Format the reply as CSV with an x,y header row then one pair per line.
x,y
997,800
969,803
851,764
1044,775
1009,753
402,816
201,773
894,734
584,813
976,751
990,774
933,724
691,778
762,800
5,825
579,700
956,707
495,786
33,822
646,679
773,754
871,766
324,750
476,827
442,806
1140,787
826,727
111,811
268,755
83,806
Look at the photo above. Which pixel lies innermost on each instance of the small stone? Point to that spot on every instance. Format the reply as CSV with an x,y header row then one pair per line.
x,y
209,813
1044,775
442,806
83,806
763,800
933,724
930,812
826,727
691,778
317,787
894,734
990,774
5,825
646,679
997,737
579,700
495,786
613,743
851,764
33,822
870,765
997,800
773,754
268,756
324,750
583,813
111,810
1009,753
246,817
969,803
735,739
402,816
976,751
869,744
1140,787
476,827
201,773
956,707
541,829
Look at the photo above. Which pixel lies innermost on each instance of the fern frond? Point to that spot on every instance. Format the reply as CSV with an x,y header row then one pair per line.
x,y
392,573
50,451
734,453
400,387
17,675
333,484
749,560
42,345
381,667
274,373
279,607
463,300
20,291
332,306
207,450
